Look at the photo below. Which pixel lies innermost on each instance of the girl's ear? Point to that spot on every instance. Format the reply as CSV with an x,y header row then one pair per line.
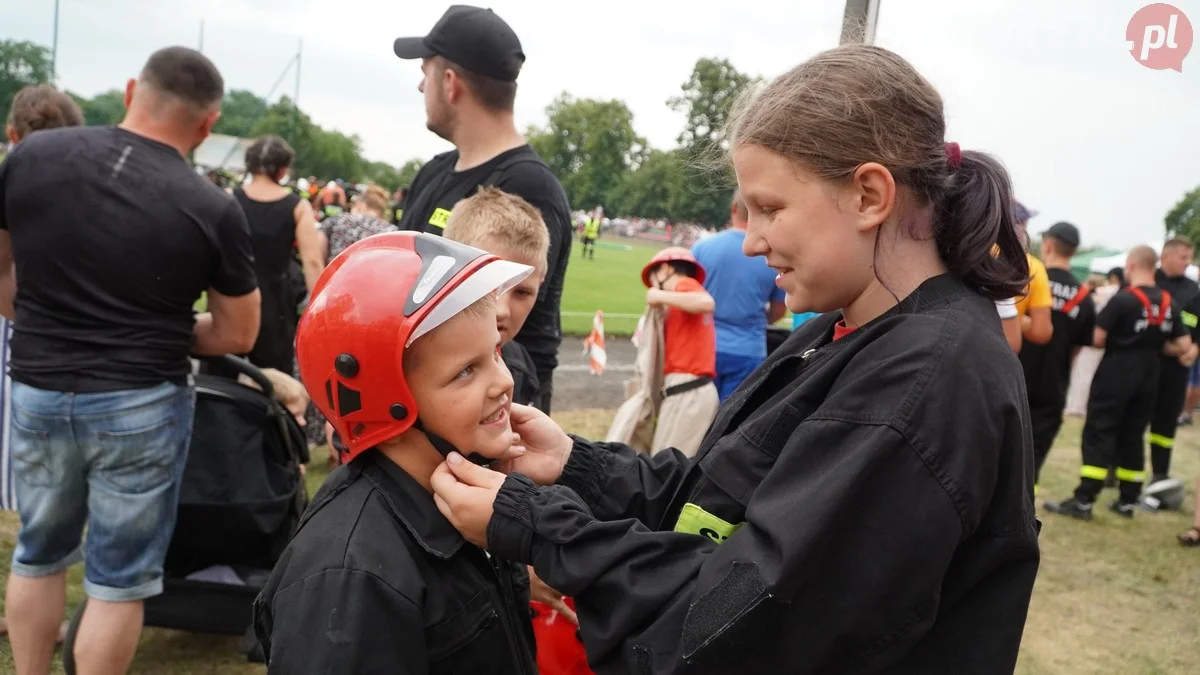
x,y
873,195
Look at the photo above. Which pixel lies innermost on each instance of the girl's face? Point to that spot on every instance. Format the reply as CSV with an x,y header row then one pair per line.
x,y
818,236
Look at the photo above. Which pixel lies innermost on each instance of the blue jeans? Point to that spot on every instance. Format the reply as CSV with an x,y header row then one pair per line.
x,y
110,460
732,369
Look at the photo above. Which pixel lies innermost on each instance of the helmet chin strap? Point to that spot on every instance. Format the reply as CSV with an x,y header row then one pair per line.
x,y
445,447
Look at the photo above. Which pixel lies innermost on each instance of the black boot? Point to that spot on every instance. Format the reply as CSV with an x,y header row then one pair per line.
x,y
1123,509
1071,507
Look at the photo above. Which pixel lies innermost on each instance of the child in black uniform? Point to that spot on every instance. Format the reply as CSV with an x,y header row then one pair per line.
x,y
1048,367
509,227
400,351
864,503
1136,325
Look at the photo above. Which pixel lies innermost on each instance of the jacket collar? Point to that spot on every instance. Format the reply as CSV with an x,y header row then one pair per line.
x,y
412,505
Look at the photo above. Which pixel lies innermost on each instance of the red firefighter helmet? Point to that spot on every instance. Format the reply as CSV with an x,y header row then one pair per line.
x,y
673,254
367,307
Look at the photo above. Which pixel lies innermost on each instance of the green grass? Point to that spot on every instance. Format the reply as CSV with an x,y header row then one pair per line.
x,y
611,283
1112,596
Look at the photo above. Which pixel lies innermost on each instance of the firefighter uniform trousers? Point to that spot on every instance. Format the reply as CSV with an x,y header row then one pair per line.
x,y
1172,392
1046,420
1120,406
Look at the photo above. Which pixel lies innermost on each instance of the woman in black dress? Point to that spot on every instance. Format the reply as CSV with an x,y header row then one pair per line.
x,y
280,224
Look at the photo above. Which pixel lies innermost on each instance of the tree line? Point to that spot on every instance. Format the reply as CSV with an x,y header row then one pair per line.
x,y
589,143
321,152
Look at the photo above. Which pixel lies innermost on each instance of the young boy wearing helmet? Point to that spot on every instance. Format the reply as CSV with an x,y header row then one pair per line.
x,y
676,283
507,226
399,349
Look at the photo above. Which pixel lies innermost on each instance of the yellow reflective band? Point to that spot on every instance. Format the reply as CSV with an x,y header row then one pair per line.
x,y
1035,489
438,219
695,520
1190,320
1160,440
1130,476
1093,472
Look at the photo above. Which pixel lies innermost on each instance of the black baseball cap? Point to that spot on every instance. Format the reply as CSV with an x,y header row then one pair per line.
x,y
472,37
1064,232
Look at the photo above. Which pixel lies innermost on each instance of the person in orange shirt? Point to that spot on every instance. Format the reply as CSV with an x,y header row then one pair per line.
x,y
1033,308
676,282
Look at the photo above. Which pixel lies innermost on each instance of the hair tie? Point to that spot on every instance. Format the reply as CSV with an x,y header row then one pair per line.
x,y
953,155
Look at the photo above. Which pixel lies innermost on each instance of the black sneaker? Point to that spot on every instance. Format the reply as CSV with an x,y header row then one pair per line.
x,y
1071,507
1184,421
1123,509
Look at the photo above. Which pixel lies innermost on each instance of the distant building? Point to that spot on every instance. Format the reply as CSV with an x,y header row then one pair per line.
x,y
219,151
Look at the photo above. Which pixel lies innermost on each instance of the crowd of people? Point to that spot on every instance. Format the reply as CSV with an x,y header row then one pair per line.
x,y
425,326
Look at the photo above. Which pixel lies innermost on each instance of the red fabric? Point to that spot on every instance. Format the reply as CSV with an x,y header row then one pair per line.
x,y
1163,304
953,155
689,340
841,330
559,651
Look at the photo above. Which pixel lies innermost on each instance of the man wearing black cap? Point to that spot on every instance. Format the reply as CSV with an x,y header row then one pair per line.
x,y
1048,366
470,62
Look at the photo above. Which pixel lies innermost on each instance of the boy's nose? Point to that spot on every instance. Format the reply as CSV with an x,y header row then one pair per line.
x,y
502,385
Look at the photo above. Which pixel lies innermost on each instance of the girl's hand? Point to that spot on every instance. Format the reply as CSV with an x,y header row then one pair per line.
x,y
540,447
464,493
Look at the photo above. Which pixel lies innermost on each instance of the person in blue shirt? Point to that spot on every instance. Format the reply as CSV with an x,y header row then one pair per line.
x,y
746,298
800,318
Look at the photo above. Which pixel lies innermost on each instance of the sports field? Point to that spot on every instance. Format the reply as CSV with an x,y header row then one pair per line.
x,y
612,282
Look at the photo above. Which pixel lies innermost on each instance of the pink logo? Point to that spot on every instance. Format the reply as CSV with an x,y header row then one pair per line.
x,y
1159,36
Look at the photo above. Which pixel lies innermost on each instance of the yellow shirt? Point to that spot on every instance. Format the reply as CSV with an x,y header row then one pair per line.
x,y
1038,293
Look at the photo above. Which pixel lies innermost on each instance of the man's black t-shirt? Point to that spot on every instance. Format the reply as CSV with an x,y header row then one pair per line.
x,y
1185,295
114,238
1048,367
1128,322
438,187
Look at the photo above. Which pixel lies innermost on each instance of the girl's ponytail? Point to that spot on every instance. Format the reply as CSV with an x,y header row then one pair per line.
x,y
975,228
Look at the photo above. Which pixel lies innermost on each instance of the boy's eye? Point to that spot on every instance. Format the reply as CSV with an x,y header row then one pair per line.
x,y
465,372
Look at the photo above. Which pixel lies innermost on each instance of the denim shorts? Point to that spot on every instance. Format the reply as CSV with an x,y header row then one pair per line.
x,y
1194,375
111,461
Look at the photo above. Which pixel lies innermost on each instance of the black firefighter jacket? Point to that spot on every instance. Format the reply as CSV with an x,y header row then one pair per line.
x,y
377,581
859,506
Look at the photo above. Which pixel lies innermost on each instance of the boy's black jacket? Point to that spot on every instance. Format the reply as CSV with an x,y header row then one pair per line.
x,y
524,373
378,581
859,506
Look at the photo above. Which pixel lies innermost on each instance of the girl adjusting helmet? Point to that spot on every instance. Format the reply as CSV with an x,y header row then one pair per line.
x,y
368,306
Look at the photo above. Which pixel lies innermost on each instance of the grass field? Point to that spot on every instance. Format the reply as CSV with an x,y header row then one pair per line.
x,y
611,283
1112,596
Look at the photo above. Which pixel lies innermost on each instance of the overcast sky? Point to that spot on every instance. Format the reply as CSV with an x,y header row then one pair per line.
x,y
1089,134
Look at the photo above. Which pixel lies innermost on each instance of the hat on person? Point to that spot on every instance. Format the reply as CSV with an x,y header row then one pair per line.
x,y
1064,232
472,37
1023,214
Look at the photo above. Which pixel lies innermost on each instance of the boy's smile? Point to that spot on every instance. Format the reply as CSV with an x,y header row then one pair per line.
x,y
462,387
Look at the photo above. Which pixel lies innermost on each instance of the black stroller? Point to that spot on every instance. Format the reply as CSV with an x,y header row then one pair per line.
x,y
241,499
